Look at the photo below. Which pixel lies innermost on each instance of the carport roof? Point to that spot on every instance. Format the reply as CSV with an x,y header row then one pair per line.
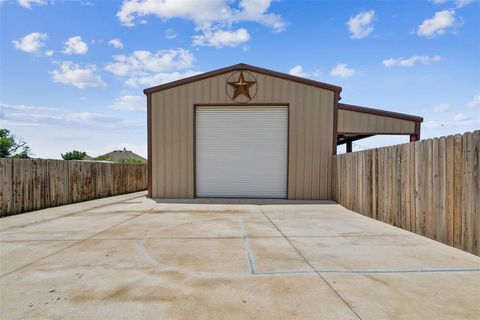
x,y
245,67
379,112
366,130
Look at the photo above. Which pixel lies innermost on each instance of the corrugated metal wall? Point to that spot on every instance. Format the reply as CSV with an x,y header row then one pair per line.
x,y
358,122
310,134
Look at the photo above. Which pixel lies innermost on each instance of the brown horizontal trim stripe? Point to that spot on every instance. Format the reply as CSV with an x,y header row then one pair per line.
x,y
375,133
281,104
378,112
245,67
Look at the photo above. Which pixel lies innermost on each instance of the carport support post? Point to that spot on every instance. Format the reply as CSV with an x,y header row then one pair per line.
x,y
349,146
416,136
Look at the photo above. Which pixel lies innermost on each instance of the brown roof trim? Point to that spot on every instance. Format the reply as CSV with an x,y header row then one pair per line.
x,y
243,66
378,112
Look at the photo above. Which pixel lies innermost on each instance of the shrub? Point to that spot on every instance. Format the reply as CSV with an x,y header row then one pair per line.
x,y
74,155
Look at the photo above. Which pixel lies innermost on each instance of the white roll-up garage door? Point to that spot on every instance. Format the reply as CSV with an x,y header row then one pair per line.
x,y
241,152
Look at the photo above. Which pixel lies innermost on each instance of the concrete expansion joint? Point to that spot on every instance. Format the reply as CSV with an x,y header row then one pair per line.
x,y
308,262
323,268
70,214
72,245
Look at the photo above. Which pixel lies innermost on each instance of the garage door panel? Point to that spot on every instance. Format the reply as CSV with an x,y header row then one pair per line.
x,y
241,152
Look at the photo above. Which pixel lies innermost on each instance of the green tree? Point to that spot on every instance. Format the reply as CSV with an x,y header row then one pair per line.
x,y
11,146
74,155
131,160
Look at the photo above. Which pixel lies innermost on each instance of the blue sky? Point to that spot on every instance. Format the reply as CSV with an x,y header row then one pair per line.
x,y
72,72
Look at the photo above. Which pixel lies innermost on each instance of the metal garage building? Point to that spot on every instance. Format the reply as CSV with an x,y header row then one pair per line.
x,y
244,131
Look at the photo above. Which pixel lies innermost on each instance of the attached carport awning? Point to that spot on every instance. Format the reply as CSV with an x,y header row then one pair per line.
x,y
356,122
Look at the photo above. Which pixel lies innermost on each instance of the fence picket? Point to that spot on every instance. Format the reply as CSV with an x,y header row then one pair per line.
x,y
430,187
33,184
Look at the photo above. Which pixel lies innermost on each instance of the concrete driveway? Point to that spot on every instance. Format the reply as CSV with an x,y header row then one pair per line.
x,y
128,257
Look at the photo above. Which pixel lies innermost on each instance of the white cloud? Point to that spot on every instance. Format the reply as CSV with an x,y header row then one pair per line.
x,y
256,11
151,68
445,119
458,3
81,119
438,24
130,103
433,124
342,70
31,43
462,3
198,11
142,61
203,13
48,53
28,3
81,77
441,108
21,115
360,25
410,62
317,73
54,129
85,117
212,18
458,123
475,103
221,38
170,34
460,117
75,45
298,71
158,78
22,107
116,43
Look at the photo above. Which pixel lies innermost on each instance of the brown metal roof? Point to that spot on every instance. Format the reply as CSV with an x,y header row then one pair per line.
x,y
384,113
246,67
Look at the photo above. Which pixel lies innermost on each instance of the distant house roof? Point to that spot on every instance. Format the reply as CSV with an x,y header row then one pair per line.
x,y
87,157
116,155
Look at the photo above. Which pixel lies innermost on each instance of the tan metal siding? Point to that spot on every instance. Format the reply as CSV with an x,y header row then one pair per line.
x,y
358,122
310,134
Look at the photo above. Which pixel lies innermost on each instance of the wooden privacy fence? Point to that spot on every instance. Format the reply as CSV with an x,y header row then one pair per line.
x,y
27,185
430,187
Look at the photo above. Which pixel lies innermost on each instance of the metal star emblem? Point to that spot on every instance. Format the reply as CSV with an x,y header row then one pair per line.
x,y
242,87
